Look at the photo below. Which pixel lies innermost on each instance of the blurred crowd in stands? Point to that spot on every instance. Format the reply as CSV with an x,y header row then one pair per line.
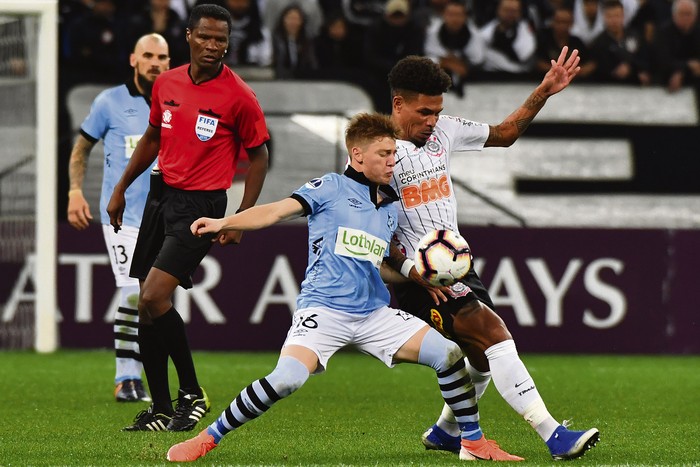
x,y
637,42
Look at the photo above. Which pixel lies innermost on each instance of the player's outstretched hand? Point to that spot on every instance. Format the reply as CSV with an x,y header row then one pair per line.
x,y
436,293
562,72
205,225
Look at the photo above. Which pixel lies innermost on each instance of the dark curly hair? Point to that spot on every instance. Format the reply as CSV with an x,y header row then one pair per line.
x,y
420,75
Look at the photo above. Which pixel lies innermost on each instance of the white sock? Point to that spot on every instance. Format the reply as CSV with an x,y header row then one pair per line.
x,y
447,422
481,379
517,387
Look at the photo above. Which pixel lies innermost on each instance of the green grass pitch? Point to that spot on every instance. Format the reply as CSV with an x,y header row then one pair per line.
x,y
58,410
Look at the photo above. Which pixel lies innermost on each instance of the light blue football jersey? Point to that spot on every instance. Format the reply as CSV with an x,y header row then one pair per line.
x,y
119,116
348,238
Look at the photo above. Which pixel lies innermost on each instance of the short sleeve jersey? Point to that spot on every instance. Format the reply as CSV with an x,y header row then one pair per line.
x,y
348,238
203,127
119,116
422,179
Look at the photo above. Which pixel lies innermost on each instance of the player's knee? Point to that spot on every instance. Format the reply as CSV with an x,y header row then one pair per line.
x,y
288,376
453,353
438,352
477,324
150,302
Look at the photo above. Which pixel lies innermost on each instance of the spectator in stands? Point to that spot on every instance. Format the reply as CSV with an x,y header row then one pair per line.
x,y
339,52
537,12
455,43
389,39
483,11
429,12
552,39
588,18
273,10
588,23
292,49
677,47
620,55
182,7
362,13
337,49
250,43
650,15
68,12
158,17
510,43
96,46
330,7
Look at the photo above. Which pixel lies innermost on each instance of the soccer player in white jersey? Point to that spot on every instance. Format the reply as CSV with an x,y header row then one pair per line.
x,y
119,116
343,299
465,310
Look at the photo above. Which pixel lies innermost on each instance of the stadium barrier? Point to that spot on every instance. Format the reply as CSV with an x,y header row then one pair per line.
x,y
559,290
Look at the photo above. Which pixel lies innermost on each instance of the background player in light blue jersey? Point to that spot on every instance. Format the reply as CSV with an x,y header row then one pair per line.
x,y
343,298
119,116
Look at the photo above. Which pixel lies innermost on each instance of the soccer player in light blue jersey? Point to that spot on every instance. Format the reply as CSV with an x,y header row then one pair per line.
x,y
119,116
343,298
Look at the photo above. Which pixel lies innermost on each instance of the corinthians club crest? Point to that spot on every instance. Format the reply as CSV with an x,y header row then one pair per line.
x,y
205,127
434,148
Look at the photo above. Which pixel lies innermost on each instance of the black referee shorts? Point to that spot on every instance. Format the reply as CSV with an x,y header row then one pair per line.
x,y
165,241
415,300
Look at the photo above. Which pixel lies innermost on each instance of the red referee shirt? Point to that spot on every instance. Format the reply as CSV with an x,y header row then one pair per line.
x,y
204,127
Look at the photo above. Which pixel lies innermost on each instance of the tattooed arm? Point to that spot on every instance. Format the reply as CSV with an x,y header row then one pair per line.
x,y
79,215
558,77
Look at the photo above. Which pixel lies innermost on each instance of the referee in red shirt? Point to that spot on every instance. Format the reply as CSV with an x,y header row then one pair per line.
x,y
202,116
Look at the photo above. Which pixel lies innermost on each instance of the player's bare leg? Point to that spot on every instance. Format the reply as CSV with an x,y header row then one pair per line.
x,y
164,336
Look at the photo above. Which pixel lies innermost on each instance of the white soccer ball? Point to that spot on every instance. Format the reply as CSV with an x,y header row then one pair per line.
x,y
443,257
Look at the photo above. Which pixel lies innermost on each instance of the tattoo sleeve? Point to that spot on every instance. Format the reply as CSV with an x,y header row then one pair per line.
x,y
78,162
516,123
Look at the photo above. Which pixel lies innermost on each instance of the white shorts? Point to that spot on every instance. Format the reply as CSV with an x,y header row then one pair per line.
x,y
120,249
380,333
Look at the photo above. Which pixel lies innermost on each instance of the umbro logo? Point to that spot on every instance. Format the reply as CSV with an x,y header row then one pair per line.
x,y
355,203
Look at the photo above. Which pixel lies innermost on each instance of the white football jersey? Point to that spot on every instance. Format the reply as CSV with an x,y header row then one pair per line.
x,y
422,179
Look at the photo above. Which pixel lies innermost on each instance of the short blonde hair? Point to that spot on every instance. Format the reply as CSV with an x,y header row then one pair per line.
x,y
366,127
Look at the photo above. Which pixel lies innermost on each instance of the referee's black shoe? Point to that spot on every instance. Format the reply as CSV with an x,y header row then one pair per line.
x,y
146,420
190,410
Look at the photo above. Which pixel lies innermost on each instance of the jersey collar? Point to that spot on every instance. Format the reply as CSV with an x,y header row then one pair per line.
x,y
216,75
388,193
133,91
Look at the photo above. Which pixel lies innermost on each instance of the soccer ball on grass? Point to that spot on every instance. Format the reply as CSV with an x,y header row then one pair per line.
x,y
443,257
